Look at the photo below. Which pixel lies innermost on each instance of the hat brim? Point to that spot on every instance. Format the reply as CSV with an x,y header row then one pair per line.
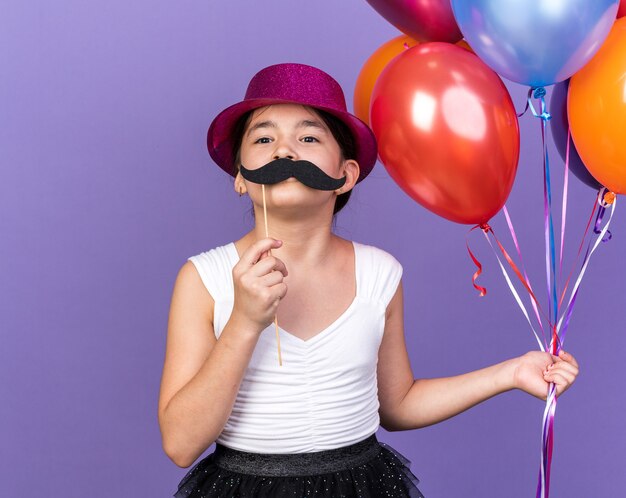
x,y
220,140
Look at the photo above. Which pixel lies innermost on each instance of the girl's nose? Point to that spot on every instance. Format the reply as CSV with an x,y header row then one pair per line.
x,y
280,156
284,150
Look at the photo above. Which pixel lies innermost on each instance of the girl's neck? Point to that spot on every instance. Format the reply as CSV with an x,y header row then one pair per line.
x,y
307,244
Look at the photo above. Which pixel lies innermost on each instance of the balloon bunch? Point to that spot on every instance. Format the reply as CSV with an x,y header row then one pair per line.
x,y
448,132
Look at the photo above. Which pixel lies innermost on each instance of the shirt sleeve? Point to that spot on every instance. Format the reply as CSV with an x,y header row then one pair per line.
x,y
206,269
381,274
390,275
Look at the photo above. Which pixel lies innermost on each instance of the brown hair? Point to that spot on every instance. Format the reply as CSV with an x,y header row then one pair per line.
x,y
338,128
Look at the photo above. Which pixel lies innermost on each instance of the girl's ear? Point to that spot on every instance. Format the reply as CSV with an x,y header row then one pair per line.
x,y
240,185
351,171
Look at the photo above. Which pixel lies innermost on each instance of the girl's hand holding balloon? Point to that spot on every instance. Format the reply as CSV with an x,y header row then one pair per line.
x,y
534,371
259,286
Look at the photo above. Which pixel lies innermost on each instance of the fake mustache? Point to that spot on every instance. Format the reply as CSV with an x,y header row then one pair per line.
x,y
281,169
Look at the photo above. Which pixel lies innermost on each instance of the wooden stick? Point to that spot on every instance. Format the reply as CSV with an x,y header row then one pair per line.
x,y
280,360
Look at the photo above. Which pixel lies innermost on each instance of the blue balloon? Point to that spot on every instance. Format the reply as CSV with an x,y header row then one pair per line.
x,y
559,126
535,42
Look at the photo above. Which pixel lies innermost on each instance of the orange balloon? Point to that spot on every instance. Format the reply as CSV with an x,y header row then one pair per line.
x,y
372,69
596,108
375,65
447,131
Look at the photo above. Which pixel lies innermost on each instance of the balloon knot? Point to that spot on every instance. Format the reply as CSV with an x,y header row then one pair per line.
x,y
406,45
609,198
539,92
485,227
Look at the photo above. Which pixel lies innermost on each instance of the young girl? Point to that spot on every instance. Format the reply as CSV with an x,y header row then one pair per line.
x,y
288,351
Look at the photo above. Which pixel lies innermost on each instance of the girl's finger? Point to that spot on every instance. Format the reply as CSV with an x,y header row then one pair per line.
x,y
565,358
567,377
560,387
280,290
255,252
568,358
558,378
267,265
564,366
272,278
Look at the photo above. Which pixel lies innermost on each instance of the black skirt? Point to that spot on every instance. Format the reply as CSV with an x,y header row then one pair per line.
x,y
367,469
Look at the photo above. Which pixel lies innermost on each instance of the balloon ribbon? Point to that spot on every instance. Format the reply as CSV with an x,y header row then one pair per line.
x,y
558,324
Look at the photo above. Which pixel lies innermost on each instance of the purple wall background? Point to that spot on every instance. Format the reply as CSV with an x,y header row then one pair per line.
x,y
106,188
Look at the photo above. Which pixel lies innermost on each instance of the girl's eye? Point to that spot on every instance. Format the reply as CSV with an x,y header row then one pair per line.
x,y
262,140
310,139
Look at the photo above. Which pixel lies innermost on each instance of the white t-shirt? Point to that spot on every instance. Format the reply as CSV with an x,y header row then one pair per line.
x,y
324,395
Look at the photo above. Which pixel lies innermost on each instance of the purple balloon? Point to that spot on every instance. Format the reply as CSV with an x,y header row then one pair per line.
x,y
559,125
423,20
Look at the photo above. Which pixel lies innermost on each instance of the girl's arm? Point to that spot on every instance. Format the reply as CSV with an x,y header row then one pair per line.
x,y
406,403
202,374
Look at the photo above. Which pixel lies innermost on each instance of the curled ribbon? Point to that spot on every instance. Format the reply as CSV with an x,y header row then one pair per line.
x,y
557,318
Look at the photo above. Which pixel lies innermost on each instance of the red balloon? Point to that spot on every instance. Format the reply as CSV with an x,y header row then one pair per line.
x,y
447,131
621,11
423,20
